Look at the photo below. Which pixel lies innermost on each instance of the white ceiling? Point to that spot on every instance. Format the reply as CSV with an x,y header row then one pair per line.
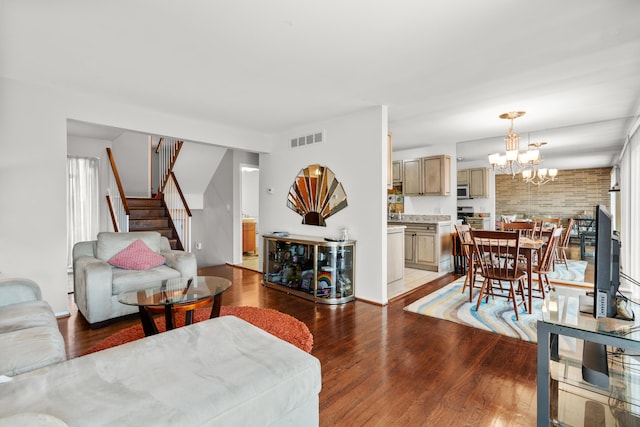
x,y
445,68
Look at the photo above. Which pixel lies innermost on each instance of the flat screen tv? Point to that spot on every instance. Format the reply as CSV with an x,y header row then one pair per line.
x,y
607,265
595,367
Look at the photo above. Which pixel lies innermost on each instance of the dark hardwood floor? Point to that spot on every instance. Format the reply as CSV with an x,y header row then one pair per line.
x,y
382,366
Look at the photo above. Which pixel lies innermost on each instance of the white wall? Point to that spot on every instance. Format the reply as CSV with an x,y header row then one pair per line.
x,y
356,151
132,154
33,178
194,168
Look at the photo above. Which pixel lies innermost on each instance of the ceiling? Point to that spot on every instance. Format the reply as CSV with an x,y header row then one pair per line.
x,y
446,69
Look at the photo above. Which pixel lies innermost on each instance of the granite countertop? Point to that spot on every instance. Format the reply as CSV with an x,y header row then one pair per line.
x,y
395,227
419,219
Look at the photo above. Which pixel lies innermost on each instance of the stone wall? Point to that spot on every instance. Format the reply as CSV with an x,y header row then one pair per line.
x,y
574,192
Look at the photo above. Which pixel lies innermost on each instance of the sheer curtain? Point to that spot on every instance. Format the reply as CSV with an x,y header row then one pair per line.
x,y
83,203
630,196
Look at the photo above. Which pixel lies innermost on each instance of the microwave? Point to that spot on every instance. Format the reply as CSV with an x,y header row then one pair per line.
x,y
463,191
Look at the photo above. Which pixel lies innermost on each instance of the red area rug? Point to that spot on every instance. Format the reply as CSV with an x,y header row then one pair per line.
x,y
281,325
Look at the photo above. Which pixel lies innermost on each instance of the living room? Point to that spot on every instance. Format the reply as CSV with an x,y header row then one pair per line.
x,y
76,62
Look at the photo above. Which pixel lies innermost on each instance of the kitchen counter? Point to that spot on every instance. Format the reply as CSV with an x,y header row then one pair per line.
x,y
427,240
419,219
395,228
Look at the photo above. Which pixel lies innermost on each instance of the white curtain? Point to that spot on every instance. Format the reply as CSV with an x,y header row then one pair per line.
x,y
630,196
83,203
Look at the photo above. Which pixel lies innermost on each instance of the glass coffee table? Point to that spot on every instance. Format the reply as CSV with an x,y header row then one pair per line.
x,y
176,295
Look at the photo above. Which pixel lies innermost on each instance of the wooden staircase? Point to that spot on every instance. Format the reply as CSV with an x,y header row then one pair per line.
x,y
152,215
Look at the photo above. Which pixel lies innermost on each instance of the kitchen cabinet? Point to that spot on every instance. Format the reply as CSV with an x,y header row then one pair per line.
x,y
480,223
427,176
462,177
397,171
310,267
395,253
478,183
427,246
477,179
248,236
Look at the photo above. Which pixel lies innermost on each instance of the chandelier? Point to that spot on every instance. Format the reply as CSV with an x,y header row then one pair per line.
x,y
538,176
514,161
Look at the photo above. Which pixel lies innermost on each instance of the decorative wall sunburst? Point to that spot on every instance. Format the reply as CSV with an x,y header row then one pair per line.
x,y
316,194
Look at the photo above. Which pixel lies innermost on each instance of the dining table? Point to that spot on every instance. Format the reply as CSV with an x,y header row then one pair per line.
x,y
528,247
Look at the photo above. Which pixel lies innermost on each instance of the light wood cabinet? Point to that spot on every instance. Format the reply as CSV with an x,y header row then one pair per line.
x,y
248,236
427,247
462,176
478,182
412,177
477,223
427,176
477,179
397,171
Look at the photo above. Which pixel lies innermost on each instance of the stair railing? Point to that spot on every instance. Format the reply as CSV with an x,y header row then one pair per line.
x,y
178,210
116,199
167,150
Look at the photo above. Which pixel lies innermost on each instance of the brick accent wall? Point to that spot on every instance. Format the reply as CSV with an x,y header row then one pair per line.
x,y
573,192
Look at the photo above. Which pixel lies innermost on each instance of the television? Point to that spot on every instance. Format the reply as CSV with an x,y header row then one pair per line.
x,y
606,266
595,364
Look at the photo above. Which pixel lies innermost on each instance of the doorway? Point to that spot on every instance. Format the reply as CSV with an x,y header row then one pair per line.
x,y
250,216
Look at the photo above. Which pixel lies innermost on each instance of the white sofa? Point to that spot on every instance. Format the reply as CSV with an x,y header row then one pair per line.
x,y
29,334
220,372
97,284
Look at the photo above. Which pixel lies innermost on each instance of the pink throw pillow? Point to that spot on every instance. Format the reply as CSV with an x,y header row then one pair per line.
x,y
136,256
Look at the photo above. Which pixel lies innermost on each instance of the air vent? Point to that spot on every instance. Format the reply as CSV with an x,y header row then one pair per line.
x,y
304,140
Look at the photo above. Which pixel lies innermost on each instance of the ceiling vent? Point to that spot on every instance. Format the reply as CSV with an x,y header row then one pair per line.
x,y
311,139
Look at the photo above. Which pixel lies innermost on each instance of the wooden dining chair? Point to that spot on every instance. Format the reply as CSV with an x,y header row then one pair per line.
x,y
563,244
545,263
497,252
548,222
464,234
524,228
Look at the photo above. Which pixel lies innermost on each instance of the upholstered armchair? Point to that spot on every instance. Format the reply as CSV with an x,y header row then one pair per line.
x,y
98,282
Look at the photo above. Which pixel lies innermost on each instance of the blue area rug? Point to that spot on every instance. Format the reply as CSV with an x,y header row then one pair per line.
x,y
575,272
496,315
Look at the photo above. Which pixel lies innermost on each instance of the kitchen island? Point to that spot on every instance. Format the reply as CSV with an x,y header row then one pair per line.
x,y
427,240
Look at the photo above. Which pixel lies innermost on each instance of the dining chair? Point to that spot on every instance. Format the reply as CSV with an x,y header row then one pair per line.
x,y
545,263
464,234
548,222
497,253
524,228
563,245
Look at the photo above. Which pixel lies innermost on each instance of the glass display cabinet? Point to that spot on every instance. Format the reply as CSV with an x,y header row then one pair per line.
x,y
310,267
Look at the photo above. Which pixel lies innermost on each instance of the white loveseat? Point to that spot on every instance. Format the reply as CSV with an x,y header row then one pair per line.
x,y
97,284
219,372
29,334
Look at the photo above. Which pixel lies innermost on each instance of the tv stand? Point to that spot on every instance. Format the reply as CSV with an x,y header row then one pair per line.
x,y
561,387
595,364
